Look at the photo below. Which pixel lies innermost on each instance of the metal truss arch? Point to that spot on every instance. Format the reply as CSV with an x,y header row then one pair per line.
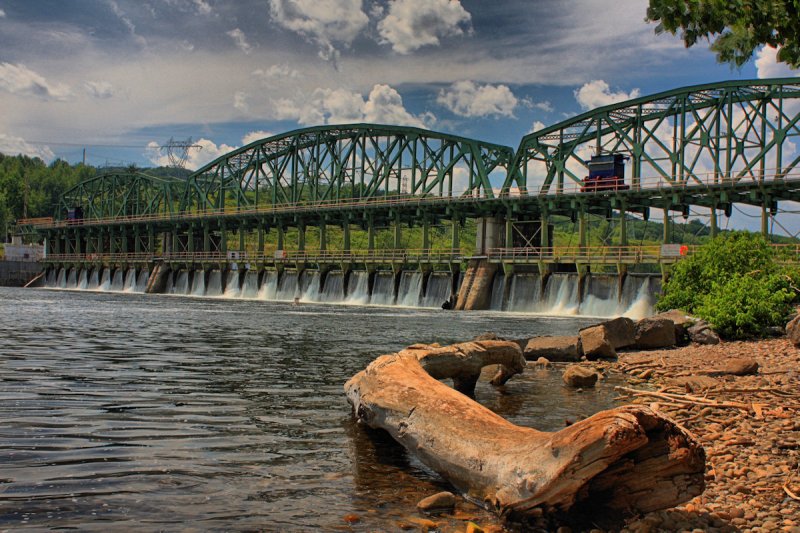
x,y
122,194
704,134
347,163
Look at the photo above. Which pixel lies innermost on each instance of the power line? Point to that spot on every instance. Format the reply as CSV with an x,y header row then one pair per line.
x,y
88,145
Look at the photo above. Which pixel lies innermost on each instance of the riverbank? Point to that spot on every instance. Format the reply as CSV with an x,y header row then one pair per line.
x,y
749,425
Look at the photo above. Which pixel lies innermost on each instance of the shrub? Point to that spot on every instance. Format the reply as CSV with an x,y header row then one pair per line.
x,y
736,283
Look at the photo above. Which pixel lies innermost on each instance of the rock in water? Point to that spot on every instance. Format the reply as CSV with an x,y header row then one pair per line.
x,y
554,348
578,376
595,344
438,503
620,332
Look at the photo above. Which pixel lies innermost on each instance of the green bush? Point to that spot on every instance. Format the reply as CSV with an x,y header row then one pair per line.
x,y
736,283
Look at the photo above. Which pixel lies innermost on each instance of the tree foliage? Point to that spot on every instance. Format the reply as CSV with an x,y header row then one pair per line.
x,y
734,27
736,282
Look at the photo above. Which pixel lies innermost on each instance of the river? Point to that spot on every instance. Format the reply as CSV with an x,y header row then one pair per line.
x,y
156,412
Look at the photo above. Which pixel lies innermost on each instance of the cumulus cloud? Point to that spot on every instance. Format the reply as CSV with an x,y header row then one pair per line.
x,y
11,145
340,106
537,125
467,99
412,24
99,89
544,105
256,135
207,152
597,93
202,7
327,23
2,14
767,65
20,80
240,39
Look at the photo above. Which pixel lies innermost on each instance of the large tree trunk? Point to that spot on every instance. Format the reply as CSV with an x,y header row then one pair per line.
x,y
623,460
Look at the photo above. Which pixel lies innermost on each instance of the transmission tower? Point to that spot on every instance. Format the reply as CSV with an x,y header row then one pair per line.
x,y
178,151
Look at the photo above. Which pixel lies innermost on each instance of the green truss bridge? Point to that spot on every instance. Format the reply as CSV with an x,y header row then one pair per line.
x,y
360,186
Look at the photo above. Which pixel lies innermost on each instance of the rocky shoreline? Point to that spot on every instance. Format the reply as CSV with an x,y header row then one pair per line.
x,y
741,400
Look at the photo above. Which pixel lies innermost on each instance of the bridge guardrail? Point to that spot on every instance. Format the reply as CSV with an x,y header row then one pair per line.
x,y
656,183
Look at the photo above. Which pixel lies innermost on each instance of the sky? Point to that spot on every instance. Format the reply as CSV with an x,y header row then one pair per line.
x,y
119,78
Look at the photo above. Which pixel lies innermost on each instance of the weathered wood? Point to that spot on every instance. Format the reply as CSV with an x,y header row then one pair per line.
x,y
623,460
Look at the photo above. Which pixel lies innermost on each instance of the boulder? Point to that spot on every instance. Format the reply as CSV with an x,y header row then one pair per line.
x,y
740,367
793,330
578,376
595,344
655,333
553,348
488,336
620,332
682,323
439,502
701,333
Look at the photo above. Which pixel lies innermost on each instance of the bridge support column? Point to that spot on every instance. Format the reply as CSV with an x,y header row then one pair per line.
x,y
713,220
77,242
765,219
190,238
545,229
509,237
426,237
667,237
124,237
346,235
241,237
582,227
323,236
206,238
398,236
370,234
623,226
456,237
223,240
137,240
281,235
151,239
301,237
487,236
261,239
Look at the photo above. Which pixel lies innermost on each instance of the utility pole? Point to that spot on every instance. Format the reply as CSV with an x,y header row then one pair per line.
x,y
84,157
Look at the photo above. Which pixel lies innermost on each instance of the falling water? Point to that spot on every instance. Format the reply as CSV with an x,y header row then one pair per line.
x,y
118,280
358,288
199,283
333,291
525,293
250,284
130,280
232,289
94,279
438,289
383,289
181,283
287,287
214,283
409,292
269,286
309,286
83,281
561,296
141,281
72,279
601,296
498,288
638,295
105,281
169,287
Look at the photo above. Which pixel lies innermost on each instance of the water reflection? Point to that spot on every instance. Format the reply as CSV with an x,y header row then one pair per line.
x,y
144,412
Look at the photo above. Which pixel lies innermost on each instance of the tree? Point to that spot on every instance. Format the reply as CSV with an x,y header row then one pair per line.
x,y
737,27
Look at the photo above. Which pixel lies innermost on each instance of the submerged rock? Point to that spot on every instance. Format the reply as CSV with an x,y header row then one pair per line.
x,y
438,503
578,376
557,349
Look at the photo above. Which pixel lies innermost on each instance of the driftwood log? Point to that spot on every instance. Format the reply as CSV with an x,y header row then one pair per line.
x,y
620,461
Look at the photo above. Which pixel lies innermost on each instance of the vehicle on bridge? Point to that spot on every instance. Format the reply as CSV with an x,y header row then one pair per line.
x,y
606,173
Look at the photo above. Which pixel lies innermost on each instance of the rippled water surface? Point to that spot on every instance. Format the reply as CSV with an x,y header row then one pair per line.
x,y
161,413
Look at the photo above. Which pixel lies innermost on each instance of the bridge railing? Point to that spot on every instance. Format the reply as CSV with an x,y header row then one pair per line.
x,y
655,183
585,254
